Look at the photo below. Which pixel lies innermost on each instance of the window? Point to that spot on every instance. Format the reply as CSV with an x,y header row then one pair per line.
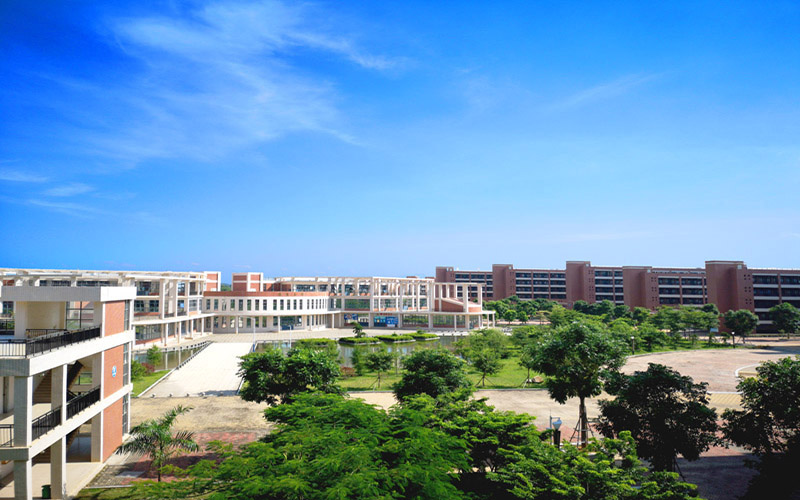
x,y
265,304
301,303
128,315
79,315
125,404
258,302
138,306
281,304
216,304
233,304
152,306
208,304
8,307
249,323
126,367
249,304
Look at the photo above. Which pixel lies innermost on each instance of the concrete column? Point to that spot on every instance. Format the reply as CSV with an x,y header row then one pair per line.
x,y
97,437
236,323
23,411
58,390
430,321
23,480
58,468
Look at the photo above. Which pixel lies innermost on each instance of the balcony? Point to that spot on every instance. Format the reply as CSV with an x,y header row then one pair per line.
x,y
49,420
46,341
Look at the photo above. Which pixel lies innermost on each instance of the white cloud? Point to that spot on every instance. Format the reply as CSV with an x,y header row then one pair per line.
x,y
20,176
222,79
66,190
607,90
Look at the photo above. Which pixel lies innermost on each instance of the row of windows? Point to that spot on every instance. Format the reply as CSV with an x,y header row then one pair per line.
x,y
261,304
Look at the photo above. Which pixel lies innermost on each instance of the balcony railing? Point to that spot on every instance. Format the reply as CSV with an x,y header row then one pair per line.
x,y
45,423
6,435
82,402
39,345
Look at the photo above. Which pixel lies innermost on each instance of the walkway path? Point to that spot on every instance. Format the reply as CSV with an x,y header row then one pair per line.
x,y
211,372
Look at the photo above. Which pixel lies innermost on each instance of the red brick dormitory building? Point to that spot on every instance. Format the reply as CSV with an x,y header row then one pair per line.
x,y
728,284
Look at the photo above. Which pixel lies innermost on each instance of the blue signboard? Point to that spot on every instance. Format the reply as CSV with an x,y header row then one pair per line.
x,y
114,371
391,321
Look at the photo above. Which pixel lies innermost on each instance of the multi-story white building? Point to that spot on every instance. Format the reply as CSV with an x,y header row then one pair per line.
x,y
260,305
64,382
167,304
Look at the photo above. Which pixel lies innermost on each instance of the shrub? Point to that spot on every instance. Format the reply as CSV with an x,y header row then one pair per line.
x,y
138,370
361,340
396,338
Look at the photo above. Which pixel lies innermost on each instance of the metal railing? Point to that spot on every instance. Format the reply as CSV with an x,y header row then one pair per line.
x,y
45,423
82,402
39,345
33,333
6,435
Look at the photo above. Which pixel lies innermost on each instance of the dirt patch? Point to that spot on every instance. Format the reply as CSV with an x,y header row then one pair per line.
x,y
210,414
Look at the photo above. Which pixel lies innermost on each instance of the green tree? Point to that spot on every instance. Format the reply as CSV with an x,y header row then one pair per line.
x,y
379,361
741,323
154,356
576,359
711,309
652,336
138,370
357,359
769,425
486,361
640,315
273,378
621,311
358,330
785,318
527,359
522,316
606,469
432,372
324,447
769,421
510,315
666,412
154,438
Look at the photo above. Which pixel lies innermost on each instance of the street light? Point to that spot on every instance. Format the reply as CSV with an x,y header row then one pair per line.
x,y
556,426
633,344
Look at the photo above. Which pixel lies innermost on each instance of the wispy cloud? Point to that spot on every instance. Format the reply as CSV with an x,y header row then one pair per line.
x,y
222,78
607,90
72,189
68,208
12,175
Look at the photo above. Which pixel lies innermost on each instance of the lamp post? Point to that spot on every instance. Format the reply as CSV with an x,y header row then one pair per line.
x,y
633,344
555,424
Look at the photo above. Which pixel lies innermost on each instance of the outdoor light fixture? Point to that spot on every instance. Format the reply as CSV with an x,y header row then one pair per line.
x,y
555,424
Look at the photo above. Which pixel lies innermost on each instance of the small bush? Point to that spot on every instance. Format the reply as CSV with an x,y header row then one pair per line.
x,y
420,335
396,338
362,340
315,342
138,370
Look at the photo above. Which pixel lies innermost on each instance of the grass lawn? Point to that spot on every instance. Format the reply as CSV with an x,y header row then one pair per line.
x,y
511,375
105,494
145,382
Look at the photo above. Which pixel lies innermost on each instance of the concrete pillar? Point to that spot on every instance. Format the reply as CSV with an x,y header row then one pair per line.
x,y
23,480
430,321
236,323
23,411
58,390
97,437
58,468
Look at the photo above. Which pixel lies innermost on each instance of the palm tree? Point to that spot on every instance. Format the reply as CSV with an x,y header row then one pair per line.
x,y
154,438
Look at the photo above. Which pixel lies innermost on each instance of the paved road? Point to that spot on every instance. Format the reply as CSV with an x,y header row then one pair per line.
x,y
212,372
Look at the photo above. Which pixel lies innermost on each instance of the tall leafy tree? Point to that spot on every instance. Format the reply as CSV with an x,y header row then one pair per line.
x,y
379,361
154,438
769,421
741,322
640,315
667,414
576,359
769,425
785,318
273,378
432,372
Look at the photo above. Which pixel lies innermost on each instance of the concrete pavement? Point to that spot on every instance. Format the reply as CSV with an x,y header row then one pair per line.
x,y
211,372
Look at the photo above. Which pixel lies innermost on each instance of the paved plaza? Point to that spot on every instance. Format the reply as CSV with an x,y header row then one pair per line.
x,y
211,372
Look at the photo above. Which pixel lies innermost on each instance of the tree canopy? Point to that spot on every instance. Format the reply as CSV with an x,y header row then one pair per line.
x,y
785,318
271,377
666,413
576,359
741,322
432,372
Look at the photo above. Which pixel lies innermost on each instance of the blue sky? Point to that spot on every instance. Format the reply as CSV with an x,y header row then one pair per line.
x,y
385,138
